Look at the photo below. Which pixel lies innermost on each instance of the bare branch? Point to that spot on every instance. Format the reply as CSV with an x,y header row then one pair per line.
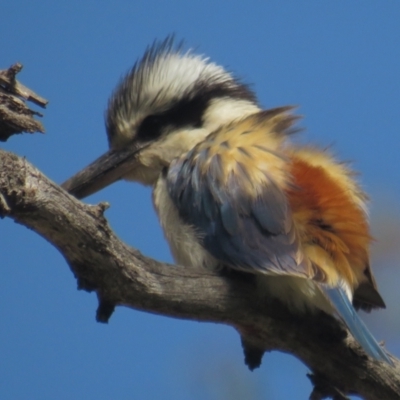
x,y
8,81
15,116
121,275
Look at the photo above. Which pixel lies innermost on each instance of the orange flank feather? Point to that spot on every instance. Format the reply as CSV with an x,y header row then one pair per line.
x,y
332,226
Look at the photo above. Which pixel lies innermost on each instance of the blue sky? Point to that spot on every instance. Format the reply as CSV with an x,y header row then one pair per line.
x,y
339,61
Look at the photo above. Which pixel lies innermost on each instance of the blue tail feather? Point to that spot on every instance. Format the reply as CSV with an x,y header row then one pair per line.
x,y
356,326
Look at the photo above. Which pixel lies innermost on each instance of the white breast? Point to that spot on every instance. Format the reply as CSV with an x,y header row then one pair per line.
x,y
183,240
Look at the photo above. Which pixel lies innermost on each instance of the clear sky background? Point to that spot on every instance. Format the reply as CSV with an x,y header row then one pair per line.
x,y
338,60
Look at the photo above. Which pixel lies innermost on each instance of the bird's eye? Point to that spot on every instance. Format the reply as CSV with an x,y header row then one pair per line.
x,y
150,128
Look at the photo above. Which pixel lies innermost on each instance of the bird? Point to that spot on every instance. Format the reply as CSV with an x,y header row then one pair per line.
x,y
233,190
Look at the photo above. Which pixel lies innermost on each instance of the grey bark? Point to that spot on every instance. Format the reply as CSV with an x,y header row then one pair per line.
x,y
122,276
15,116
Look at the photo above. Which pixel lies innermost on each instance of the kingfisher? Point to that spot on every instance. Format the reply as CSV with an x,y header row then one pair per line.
x,y
231,190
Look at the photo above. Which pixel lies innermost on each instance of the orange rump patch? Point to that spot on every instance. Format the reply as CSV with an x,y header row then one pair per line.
x,y
333,229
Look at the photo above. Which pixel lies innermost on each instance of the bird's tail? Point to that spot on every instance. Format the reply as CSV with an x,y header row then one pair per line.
x,y
356,326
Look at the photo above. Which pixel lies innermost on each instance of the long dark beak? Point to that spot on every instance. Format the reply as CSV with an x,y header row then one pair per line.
x,y
102,172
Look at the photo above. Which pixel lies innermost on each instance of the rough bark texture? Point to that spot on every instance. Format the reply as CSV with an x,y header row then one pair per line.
x,y
121,275
15,116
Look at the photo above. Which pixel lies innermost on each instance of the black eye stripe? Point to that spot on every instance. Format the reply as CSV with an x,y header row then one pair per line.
x,y
184,113
189,111
151,128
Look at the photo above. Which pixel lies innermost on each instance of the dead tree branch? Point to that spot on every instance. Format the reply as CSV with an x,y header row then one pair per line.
x,y
15,116
121,275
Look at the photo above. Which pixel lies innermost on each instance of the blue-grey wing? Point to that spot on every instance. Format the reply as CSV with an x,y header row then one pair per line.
x,y
230,189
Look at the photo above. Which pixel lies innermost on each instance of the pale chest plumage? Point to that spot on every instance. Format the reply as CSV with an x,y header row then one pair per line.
x,y
183,240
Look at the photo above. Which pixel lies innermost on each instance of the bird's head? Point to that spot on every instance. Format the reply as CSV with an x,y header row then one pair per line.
x,y
170,101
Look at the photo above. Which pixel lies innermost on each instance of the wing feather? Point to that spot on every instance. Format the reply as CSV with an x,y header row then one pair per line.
x,y
348,315
231,188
